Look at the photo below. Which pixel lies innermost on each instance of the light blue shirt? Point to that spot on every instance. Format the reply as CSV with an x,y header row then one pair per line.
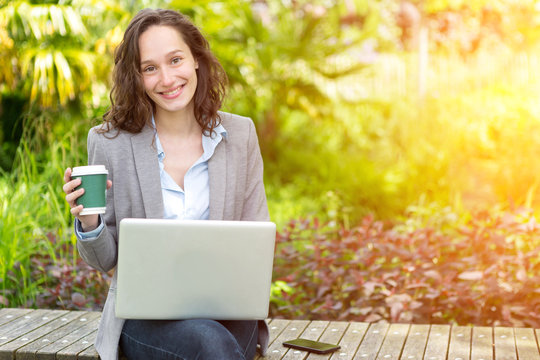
x,y
190,203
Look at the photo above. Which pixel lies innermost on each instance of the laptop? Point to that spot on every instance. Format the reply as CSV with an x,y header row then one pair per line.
x,y
186,269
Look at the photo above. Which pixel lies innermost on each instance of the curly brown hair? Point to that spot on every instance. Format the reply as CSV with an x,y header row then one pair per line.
x,y
131,108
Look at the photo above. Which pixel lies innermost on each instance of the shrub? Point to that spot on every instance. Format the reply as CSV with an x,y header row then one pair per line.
x,y
57,282
69,283
484,272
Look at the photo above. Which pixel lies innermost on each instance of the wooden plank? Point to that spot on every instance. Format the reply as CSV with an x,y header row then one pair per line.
x,y
332,335
293,330
505,344
437,344
72,351
350,341
49,351
7,351
81,318
393,342
27,323
526,344
19,321
312,332
460,343
275,327
369,348
88,354
416,343
482,343
537,333
10,314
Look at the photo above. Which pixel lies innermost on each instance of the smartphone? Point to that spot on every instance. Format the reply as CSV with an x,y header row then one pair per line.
x,y
310,345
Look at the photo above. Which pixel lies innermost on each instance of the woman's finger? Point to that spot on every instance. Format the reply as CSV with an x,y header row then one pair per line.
x,y
73,196
70,186
67,175
76,210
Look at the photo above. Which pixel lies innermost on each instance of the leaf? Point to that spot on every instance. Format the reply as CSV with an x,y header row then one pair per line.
x,y
471,275
322,290
432,294
361,311
505,286
433,274
78,299
521,275
406,316
395,309
373,318
417,286
415,305
398,298
369,288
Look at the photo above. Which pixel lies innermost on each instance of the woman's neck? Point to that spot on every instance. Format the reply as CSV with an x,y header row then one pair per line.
x,y
176,124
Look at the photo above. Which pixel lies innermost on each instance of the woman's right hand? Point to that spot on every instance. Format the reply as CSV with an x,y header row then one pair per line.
x,y
88,222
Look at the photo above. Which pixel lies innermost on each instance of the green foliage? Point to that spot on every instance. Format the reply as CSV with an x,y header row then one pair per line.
x,y
31,209
275,53
34,217
50,47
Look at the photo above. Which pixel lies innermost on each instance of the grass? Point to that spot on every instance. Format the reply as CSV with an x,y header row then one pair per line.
x,y
32,214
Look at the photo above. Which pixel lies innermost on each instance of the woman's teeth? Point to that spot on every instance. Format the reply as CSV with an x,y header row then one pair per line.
x,y
172,92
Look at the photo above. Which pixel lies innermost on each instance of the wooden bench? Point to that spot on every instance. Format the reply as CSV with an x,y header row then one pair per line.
x,y
57,334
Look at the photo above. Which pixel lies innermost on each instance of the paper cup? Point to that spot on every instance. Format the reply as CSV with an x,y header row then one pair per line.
x,y
94,182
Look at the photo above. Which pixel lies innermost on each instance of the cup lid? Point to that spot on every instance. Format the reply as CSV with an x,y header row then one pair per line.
x,y
89,170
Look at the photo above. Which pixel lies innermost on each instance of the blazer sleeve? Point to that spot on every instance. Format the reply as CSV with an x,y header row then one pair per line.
x,y
255,207
101,252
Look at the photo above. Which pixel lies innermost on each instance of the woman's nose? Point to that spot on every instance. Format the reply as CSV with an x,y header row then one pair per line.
x,y
166,77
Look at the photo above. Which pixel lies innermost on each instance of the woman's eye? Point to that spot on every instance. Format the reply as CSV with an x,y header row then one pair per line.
x,y
176,60
149,69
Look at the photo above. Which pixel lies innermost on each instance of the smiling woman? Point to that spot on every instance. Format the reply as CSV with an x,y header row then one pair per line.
x,y
170,153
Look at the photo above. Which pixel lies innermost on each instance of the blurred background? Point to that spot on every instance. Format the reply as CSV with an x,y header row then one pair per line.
x,y
418,113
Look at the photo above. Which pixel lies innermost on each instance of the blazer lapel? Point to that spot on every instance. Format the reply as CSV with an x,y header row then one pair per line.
x,y
217,172
146,163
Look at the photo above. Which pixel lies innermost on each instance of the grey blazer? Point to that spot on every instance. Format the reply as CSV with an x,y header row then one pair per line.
x,y
236,193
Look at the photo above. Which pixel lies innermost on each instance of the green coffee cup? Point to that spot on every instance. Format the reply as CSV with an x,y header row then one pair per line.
x,y
94,181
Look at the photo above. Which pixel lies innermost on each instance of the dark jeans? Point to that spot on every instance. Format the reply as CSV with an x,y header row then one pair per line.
x,y
189,339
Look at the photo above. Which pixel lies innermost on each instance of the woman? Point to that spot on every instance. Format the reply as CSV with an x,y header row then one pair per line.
x,y
170,154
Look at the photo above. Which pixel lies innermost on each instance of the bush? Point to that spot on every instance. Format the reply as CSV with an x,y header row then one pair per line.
x,y
56,282
69,283
484,272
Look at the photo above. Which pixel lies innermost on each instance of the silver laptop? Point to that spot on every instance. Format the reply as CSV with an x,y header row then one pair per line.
x,y
185,269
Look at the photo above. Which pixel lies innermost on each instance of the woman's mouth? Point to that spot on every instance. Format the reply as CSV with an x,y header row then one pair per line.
x,y
172,93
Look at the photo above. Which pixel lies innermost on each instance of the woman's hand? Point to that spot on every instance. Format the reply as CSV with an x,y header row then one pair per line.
x,y
88,222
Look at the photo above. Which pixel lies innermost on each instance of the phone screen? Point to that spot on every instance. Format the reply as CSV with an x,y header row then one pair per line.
x,y
310,345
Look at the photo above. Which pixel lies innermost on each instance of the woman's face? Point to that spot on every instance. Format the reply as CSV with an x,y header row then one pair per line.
x,y
168,70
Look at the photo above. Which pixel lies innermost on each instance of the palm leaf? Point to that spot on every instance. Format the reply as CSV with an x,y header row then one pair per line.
x,y
35,22
64,79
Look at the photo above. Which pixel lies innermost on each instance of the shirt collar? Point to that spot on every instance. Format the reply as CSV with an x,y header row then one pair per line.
x,y
209,142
